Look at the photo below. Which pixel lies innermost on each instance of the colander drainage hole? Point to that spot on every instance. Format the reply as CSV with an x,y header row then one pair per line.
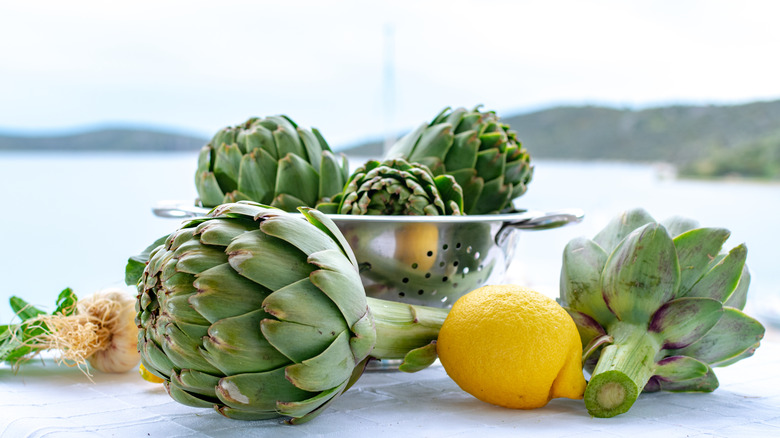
x,y
430,253
401,294
420,292
405,280
427,275
457,245
455,263
414,265
445,247
444,279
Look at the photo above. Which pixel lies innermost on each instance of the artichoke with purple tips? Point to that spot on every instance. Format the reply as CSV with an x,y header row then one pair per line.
x,y
657,306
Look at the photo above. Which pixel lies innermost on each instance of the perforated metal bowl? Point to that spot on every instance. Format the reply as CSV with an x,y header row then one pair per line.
x,y
428,260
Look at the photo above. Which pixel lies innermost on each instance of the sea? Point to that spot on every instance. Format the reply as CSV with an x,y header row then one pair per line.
x,y
73,219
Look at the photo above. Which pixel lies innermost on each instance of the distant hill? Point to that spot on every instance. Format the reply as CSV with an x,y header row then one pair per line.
x,y
700,140
708,141
105,140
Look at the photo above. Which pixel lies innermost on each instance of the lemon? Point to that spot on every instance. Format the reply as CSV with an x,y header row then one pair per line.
x,y
512,347
146,375
417,245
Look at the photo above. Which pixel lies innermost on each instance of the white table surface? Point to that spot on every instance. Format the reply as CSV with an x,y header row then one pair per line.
x,y
44,400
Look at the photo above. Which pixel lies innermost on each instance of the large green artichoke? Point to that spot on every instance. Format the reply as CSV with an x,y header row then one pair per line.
x,y
657,306
397,187
271,161
260,313
481,153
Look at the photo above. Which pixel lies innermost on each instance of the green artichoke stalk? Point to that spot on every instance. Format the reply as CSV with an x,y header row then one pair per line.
x,y
479,151
397,187
261,314
657,306
271,161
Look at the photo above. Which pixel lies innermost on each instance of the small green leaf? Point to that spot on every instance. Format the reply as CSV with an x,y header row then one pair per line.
x,y
684,320
620,227
419,358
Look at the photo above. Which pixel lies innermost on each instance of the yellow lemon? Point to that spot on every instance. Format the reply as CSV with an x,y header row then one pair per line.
x,y
417,245
149,377
512,347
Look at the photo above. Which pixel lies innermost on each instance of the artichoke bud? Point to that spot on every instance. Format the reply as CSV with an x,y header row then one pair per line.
x,y
265,158
653,304
261,314
397,187
458,141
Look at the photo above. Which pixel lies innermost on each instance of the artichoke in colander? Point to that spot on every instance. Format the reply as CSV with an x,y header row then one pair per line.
x,y
261,314
478,150
657,306
272,161
397,187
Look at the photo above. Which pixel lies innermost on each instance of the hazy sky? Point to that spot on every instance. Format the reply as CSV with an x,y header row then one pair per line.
x,y
197,66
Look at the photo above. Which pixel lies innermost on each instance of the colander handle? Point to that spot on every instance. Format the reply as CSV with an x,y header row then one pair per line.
x,y
535,220
178,210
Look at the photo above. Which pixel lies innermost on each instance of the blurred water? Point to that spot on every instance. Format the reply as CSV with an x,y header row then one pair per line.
x,y
73,219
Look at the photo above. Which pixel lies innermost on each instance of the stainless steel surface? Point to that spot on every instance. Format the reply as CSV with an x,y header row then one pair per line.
x,y
428,260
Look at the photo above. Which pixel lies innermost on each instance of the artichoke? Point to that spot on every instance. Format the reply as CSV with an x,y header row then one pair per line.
x,y
481,153
271,161
657,306
261,313
397,187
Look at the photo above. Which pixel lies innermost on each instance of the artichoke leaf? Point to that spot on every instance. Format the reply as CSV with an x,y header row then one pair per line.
x,y
620,227
641,274
298,178
472,186
695,249
227,165
261,138
495,196
434,141
181,395
682,321
259,391
324,223
679,368
220,232
180,306
209,191
583,262
491,164
156,358
257,176
404,147
197,382
364,338
296,341
286,137
734,334
312,146
303,303
419,358
587,327
677,225
267,260
200,258
330,368
738,298
721,281
305,410
463,153
341,282
236,345
222,293
183,351
332,178
298,233
706,383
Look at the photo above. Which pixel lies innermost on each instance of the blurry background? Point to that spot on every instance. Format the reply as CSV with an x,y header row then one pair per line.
x,y
103,107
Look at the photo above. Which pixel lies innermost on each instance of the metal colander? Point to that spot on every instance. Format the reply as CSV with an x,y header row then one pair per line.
x,y
428,260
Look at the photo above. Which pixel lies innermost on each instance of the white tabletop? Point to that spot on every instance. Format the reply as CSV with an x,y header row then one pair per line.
x,y
44,400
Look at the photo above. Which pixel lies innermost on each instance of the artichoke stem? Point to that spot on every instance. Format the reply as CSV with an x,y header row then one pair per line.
x,y
623,370
402,327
